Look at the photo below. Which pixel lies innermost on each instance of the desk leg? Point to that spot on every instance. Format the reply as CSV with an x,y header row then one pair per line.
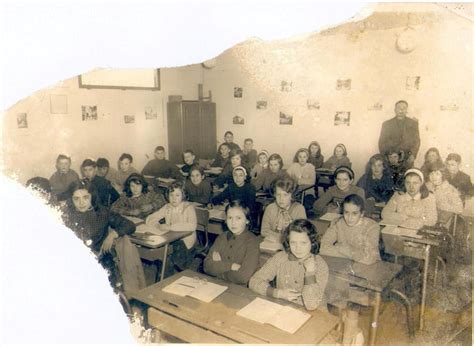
x,y
375,318
163,264
423,287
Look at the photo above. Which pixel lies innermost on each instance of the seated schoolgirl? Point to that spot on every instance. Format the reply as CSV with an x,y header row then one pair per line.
x,y
222,156
301,274
197,187
448,198
338,159
353,235
235,254
236,159
279,214
301,170
432,157
377,182
177,216
105,232
262,163
315,156
414,207
274,171
239,189
189,159
137,200
331,200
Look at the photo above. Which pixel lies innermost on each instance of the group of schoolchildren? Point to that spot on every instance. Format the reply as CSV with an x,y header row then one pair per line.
x,y
97,207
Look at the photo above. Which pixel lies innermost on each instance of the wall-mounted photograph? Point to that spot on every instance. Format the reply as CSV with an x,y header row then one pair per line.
x,y
286,86
286,119
238,120
238,92
343,84
151,113
129,119
342,118
22,120
89,113
312,104
261,105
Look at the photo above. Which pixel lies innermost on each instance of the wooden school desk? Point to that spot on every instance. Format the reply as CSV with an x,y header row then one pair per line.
x,y
324,178
418,248
375,278
154,252
195,321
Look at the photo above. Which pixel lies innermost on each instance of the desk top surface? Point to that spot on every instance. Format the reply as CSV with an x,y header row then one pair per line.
x,y
168,237
375,276
220,316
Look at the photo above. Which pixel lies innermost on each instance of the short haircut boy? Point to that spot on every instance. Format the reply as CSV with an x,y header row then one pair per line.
x,y
102,162
454,157
248,140
88,163
63,157
127,156
160,148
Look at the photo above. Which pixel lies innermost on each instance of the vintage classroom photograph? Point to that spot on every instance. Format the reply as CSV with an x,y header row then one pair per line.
x,y
284,173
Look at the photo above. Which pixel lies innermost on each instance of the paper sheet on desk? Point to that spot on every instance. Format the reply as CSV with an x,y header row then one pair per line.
x,y
166,180
400,231
329,216
285,318
196,288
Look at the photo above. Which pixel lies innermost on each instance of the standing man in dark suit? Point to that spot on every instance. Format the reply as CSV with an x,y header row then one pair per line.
x,y
401,134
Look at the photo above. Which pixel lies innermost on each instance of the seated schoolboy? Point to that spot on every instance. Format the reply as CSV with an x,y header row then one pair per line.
x,y
303,172
432,158
249,153
229,140
125,165
415,206
197,187
236,159
315,156
189,159
235,254
222,156
338,159
111,174
63,177
397,168
448,199
279,214
377,181
301,275
105,232
137,200
262,163
239,189
177,216
160,166
106,194
275,171
458,178
331,200
353,235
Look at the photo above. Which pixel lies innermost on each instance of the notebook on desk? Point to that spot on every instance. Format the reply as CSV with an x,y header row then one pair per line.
x,y
283,317
330,217
402,232
196,288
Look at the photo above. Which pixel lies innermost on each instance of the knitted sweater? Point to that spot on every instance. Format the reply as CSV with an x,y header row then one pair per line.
x,y
303,175
331,200
245,193
447,197
359,242
290,273
162,169
201,193
317,162
275,220
379,189
60,183
265,179
242,249
411,212
140,206
181,219
462,182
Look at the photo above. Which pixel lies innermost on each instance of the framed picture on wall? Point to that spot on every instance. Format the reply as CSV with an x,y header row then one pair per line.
x,y
151,113
261,105
129,119
342,118
286,119
89,113
238,92
238,120
22,120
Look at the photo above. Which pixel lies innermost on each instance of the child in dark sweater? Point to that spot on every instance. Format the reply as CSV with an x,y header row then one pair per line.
x,y
240,189
160,167
197,188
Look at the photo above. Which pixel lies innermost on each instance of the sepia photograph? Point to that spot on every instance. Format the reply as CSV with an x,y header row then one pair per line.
x,y
222,221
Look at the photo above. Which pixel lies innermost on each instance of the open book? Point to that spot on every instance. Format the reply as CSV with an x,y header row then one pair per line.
x,y
329,216
400,231
283,317
196,288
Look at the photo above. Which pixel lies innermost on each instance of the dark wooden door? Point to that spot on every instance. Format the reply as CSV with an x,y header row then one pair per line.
x,y
208,130
175,132
191,127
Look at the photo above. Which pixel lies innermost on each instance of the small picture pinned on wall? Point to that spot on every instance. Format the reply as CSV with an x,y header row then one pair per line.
x,y
261,105
151,113
413,83
342,118
238,120
238,92
343,84
129,119
89,113
286,86
22,120
375,107
312,104
286,119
